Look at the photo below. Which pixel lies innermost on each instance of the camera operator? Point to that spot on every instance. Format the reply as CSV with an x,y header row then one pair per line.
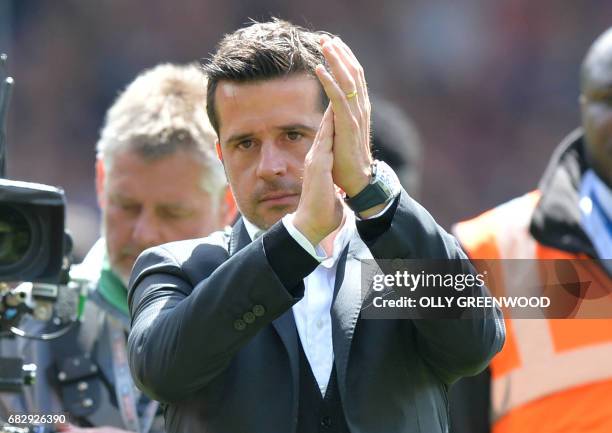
x,y
157,180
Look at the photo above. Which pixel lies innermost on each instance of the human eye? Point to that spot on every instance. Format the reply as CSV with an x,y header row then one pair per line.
x,y
171,213
245,144
294,135
126,206
131,207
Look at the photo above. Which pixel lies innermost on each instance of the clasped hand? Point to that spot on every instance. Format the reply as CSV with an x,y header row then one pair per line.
x,y
340,155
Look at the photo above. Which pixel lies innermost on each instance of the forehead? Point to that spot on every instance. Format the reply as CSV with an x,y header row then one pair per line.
x,y
599,76
247,107
171,178
598,65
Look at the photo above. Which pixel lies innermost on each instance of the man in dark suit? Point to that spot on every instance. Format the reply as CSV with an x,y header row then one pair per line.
x,y
258,329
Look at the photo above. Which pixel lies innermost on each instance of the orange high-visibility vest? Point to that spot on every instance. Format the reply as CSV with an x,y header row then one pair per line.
x,y
553,375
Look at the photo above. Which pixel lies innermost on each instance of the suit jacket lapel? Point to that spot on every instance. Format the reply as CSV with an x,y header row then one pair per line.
x,y
286,329
285,324
347,303
239,237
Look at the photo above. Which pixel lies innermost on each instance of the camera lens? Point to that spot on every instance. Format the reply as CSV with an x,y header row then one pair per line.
x,y
15,235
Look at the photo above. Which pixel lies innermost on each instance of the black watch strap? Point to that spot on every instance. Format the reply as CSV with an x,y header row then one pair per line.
x,y
380,190
372,195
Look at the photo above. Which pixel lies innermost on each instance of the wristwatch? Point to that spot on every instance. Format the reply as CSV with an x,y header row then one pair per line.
x,y
384,186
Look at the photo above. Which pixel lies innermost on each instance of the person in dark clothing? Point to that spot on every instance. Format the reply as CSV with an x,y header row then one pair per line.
x,y
553,375
258,329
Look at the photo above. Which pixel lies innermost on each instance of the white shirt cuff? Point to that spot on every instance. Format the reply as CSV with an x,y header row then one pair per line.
x,y
315,252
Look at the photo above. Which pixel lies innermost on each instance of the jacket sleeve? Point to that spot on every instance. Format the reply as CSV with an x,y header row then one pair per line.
x,y
452,347
469,401
188,302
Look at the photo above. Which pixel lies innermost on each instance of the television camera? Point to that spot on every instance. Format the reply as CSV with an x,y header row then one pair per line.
x,y
35,254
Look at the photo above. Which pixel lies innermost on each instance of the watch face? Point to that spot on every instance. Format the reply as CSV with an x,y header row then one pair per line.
x,y
387,178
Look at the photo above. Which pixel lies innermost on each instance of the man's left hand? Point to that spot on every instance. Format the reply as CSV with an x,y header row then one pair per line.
x,y
346,88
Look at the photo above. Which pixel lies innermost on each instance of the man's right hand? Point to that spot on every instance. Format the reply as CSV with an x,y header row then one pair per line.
x,y
320,209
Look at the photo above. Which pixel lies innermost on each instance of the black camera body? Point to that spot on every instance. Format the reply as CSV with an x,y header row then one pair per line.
x,y
34,248
32,240
33,243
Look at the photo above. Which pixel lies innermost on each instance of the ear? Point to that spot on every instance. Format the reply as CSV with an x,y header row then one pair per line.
x,y
218,149
231,210
100,175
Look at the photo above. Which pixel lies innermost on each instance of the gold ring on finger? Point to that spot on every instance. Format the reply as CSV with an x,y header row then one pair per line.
x,y
351,94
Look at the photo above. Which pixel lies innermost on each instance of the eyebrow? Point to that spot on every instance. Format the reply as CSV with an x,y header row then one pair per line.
x,y
295,126
175,204
298,126
119,196
238,137
180,210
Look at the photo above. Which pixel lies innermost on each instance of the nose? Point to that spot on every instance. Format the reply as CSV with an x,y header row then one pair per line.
x,y
146,231
272,161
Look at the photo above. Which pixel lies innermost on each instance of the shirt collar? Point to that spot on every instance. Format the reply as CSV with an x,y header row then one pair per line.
x,y
596,213
340,242
112,289
253,231
96,270
593,186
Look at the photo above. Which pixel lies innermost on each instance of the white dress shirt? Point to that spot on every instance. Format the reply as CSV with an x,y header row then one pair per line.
x,y
312,313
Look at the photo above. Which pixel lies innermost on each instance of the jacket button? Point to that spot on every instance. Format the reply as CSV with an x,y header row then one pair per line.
x,y
239,325
248,317
326,421
259,310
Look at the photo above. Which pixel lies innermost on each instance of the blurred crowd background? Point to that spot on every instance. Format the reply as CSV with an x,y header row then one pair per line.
x,y
492,86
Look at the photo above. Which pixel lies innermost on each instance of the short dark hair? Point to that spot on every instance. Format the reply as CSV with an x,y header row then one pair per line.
x,y
259,52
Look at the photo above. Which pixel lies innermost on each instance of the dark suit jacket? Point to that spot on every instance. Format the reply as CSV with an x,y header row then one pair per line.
x,y
194,345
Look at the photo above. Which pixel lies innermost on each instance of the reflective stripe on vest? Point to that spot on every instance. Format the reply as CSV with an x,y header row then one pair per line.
x,y
532,363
